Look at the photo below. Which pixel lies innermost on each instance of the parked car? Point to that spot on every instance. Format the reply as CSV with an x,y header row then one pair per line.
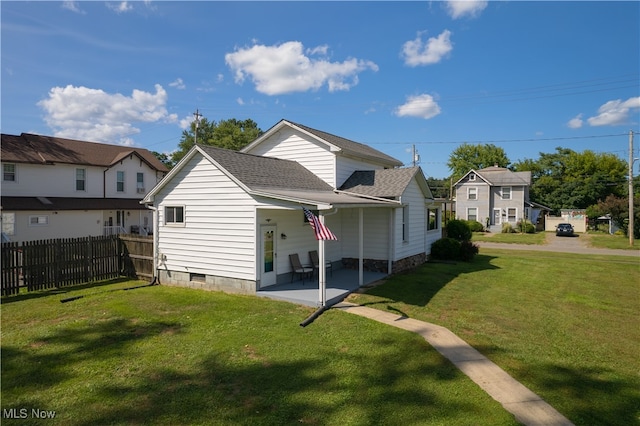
x,y
564,229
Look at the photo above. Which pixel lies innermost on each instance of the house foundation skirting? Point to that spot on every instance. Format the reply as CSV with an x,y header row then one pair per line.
x,y
408,263
207,282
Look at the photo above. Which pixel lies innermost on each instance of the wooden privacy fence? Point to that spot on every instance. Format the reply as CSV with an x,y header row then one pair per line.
x,y
46,264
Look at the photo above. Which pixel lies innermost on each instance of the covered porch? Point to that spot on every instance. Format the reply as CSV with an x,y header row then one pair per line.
x,y
339,285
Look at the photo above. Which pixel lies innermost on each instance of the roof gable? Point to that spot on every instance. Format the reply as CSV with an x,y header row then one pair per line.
x,y
333,142
38,149
385,183
499,176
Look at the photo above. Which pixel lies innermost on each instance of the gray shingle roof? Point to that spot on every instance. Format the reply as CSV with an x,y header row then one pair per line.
x,y
349,146
385,183
258,172
499,176
38,149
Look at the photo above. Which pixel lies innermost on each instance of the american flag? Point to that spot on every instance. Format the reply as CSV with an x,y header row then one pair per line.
x,y
321,231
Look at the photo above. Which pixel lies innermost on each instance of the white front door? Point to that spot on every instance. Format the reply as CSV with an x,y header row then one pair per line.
x,y
267,256
497,216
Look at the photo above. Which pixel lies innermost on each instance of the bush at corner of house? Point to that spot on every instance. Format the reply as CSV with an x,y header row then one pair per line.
x,y
458,230
507,228
468,250
475,226
528,227
445,249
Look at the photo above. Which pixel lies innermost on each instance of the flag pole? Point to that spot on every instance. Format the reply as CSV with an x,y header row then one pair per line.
x,y
321,268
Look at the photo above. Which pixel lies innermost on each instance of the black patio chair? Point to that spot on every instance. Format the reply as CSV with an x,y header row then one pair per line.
x,y
297,268
315,262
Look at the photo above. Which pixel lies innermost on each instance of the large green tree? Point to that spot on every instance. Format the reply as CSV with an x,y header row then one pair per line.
x,y
567,179
230,134
469,156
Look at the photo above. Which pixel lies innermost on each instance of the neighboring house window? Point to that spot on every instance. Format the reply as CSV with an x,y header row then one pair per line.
x,y
9,172
38,220
506,192
140,183
512,214
120,182
472,177
405,224
9,223
174,215
472,193
81,179
433,219
472,213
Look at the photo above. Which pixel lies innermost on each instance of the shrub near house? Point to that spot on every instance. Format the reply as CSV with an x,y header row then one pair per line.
x,y
457,245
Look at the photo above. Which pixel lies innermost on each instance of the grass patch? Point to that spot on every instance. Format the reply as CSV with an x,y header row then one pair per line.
x,y
617,242
166,356
565,325
515,238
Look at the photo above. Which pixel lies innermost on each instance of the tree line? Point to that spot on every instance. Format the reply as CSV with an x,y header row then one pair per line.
x,y
564,179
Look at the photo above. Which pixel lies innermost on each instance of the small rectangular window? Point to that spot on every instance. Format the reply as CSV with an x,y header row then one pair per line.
x,y
80,179
38,220
472,194
472,213
512,214
433,219
9,223
506,192
140,183
472,177
173,215
120,182
9,172
405,224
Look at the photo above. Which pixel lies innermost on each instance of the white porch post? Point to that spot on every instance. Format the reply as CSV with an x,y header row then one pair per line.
x,y
360,247
322,275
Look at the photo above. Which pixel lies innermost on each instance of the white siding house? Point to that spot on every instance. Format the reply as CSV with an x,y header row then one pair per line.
x,y
229,220
63,188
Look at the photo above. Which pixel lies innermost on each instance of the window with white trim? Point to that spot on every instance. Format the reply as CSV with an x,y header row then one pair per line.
x,y
433,219
174,215
81,179
472,177
405,224
140,183
512,214
39,220
505,192
472,213
120,181
472,193
9,172
9,223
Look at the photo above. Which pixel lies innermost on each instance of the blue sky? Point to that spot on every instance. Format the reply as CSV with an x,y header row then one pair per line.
x,y
525,76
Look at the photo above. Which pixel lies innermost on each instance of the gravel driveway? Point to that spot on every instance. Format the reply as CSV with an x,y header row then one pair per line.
x,y
576,244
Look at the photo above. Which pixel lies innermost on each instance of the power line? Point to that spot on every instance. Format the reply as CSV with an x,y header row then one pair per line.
x,y
496,141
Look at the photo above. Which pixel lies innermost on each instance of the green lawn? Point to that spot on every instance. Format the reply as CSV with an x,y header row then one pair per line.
x,y
515,238
565,325
173,356
618,242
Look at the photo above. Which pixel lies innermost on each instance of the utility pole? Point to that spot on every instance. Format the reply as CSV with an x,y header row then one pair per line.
x,y
415,156
197,115
631,213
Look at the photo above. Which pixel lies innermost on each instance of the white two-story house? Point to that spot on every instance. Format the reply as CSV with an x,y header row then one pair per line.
x,y
229,220
61,188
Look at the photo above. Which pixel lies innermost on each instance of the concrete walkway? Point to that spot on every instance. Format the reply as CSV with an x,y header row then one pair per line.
x,y
527,407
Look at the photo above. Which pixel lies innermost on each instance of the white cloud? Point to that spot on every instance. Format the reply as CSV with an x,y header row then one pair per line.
x,y
465,8
576,122
416,52
615,112
121,7
94,115
185,123
422,106
178,84
240,101
285,68
72,6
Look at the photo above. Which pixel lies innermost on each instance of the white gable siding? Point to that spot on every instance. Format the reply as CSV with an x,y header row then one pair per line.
x,y
345,166
415,242
59,180
288,144
218,236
